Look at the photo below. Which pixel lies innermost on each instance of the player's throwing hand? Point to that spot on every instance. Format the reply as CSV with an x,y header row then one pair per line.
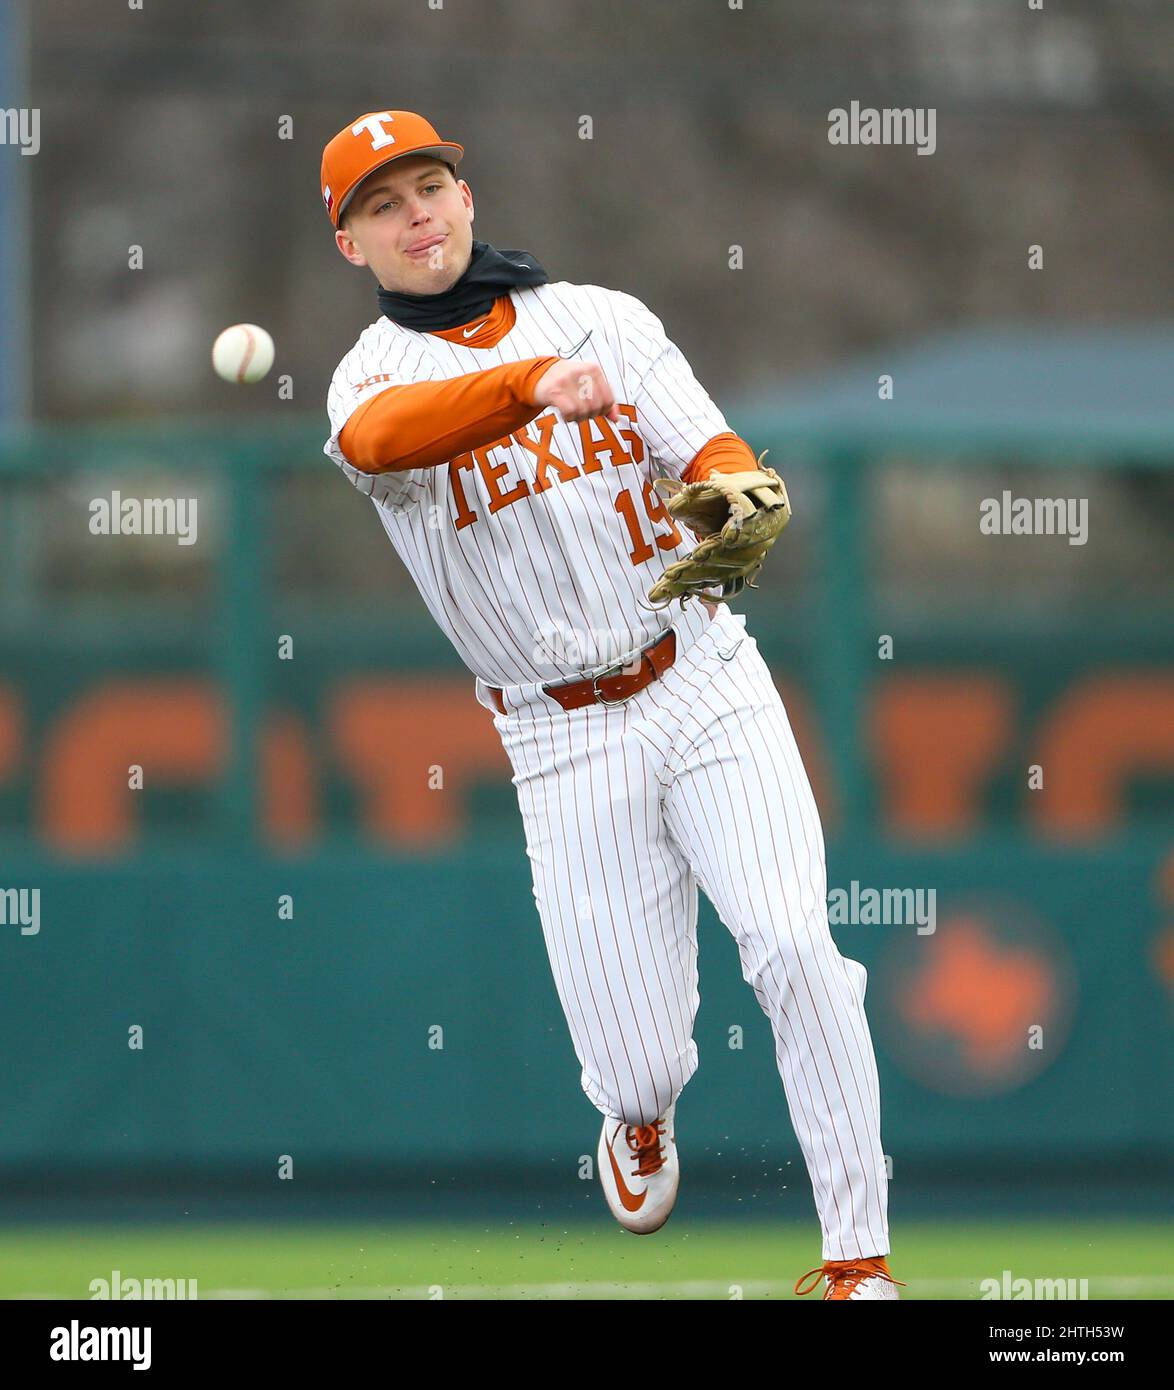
x,y
577,390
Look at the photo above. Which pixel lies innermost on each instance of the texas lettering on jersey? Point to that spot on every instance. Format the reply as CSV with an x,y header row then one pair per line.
x,y
597,442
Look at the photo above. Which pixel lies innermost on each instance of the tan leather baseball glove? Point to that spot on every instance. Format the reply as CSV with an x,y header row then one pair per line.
x,y
738,517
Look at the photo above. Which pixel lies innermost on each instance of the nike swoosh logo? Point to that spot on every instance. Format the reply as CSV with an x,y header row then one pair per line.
x,y
628,1200
571,351
468,332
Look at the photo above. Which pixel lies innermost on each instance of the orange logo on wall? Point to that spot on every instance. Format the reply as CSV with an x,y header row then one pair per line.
x,y
939,740
984,1005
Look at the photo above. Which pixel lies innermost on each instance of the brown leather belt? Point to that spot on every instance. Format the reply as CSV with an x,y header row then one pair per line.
x,y
606,689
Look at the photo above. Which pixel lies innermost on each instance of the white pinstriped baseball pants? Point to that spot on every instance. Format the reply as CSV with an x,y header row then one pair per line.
x,y
697,780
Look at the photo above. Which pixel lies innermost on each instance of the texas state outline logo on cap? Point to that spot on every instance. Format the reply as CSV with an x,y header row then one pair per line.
x,y
375,139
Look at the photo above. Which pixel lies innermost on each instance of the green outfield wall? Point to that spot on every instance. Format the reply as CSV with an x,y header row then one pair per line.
x,y
332,960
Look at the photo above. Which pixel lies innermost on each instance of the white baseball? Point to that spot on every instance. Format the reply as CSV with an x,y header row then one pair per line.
x,y
242,353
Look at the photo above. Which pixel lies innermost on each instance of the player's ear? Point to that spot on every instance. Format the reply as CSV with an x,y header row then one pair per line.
x,y
348,247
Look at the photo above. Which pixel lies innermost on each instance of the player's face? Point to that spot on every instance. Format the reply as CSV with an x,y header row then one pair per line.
x,y
412,223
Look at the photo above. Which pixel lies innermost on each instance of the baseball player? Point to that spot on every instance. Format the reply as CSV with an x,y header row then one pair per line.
x,y
555,478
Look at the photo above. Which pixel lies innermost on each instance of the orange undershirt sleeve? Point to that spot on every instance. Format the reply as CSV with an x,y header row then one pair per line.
x,y
430,422
724,453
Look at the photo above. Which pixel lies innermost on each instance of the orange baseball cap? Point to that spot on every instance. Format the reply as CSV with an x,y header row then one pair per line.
x,y
370,142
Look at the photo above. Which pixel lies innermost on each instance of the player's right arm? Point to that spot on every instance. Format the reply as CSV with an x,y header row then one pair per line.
x,y
425,423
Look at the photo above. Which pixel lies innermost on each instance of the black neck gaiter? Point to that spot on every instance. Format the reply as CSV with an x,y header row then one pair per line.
x,y
489,274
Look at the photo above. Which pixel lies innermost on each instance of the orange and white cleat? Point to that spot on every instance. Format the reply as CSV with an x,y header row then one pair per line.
x,y
863,1278
639,1171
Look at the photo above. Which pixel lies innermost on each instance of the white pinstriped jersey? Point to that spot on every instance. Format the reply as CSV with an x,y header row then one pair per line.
x,y
535,554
